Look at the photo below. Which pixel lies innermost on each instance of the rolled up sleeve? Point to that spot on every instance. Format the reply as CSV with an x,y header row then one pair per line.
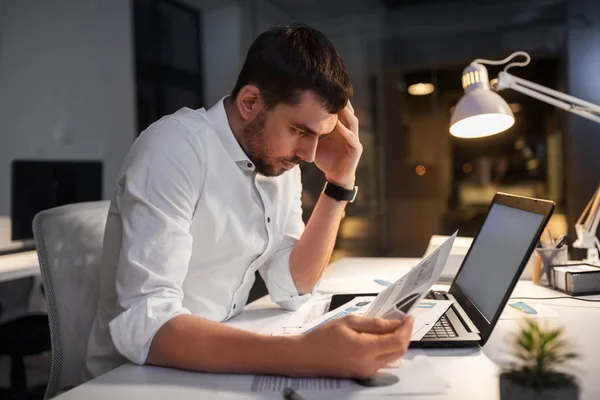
x,y
276,273
156,197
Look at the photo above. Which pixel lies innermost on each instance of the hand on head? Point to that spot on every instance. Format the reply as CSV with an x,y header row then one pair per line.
x,y
338,154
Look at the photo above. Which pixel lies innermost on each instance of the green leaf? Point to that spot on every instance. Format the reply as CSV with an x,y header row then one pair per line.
x,y
539,353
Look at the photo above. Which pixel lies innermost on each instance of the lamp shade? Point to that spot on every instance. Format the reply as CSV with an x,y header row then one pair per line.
x,y
480,112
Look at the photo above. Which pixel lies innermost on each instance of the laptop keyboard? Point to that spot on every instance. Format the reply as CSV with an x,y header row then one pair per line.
x,y
442,328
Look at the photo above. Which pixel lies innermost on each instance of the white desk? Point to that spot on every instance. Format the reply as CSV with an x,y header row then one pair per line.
x,y
19,265
471,374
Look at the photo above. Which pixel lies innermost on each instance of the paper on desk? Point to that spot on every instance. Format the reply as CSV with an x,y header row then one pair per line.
x,y
357,306
426,314
309,312
400,297
516,309
415,373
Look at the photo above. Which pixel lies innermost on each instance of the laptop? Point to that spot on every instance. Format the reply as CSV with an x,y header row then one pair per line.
x,y
488,273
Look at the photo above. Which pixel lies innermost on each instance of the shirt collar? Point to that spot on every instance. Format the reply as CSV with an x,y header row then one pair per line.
x,y
218,119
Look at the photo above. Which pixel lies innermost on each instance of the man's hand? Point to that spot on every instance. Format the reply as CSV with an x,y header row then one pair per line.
x,y
354,347
338,154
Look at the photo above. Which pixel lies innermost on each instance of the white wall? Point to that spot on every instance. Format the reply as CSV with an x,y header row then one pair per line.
x,y
228,30
66,84
223,53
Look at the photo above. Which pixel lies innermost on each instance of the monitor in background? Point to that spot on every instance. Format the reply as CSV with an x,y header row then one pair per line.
x,y
39,184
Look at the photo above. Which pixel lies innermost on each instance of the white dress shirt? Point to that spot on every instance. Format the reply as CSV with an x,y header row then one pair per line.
x,y
189,224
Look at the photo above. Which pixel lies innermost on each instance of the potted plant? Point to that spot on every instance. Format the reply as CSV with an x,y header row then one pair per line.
x,y
538,374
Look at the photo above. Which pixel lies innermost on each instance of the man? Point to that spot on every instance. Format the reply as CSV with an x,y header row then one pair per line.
x,y
207,197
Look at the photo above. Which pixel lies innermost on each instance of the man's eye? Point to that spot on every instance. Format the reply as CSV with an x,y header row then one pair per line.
x,y
299,132
321,137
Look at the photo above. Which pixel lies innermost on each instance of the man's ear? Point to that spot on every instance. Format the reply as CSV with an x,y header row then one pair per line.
x,y
249,101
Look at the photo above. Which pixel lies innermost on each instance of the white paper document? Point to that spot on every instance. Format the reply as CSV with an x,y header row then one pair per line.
x,y
308,313
415,373
401,297
357,306
426,314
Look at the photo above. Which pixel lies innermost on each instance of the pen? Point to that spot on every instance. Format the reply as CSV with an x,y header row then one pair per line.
x,y
561,241
290,394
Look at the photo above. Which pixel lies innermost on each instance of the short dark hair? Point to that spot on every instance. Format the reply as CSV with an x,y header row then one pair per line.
x,y
285,61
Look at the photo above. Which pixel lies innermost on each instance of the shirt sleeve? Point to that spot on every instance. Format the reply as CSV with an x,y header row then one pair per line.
x,y
276,273
156,197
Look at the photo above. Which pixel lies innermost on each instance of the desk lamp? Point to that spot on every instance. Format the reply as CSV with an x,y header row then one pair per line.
x,y
482,112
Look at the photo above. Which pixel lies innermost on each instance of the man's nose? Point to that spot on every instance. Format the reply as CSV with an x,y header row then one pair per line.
x,y
308,150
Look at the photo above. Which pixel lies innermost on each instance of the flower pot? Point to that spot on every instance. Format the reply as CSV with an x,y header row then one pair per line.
x,y
509,390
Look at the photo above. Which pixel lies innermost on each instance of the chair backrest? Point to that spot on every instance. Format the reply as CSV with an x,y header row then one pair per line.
x,y
69,246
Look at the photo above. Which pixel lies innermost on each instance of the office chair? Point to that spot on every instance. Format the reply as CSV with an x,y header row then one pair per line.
x,y
69,245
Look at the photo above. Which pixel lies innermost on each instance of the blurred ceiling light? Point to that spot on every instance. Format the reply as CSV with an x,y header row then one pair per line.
x,y
519,144
482,112
532,164
421,89
420,170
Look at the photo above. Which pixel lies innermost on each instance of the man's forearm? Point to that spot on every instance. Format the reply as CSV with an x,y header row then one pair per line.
x,y
194,343
312,252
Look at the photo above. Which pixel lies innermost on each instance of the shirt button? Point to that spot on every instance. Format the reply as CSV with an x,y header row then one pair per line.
x,y
249,165
268,219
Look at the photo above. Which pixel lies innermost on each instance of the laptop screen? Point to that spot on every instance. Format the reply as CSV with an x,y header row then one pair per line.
x,y
496,255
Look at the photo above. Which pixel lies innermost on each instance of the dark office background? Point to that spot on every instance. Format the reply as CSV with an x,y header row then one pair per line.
x,y
80,79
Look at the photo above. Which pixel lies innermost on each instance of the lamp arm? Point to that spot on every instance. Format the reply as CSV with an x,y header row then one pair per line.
x,y
594,218
587,225
561,100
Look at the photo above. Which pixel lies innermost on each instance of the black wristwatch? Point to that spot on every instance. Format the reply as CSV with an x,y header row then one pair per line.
x,y
339,193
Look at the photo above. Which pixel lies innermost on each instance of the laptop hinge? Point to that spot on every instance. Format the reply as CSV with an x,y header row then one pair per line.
x,y
460,313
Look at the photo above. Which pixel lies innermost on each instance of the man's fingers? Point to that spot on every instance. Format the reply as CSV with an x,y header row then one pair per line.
x,y
347,134
408,322
349,105
397,340
372,325
349,120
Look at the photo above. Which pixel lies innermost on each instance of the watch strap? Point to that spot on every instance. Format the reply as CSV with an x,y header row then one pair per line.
x,y
340,193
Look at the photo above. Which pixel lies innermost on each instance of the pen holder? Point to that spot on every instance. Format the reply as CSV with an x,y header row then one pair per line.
x,y
547,258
